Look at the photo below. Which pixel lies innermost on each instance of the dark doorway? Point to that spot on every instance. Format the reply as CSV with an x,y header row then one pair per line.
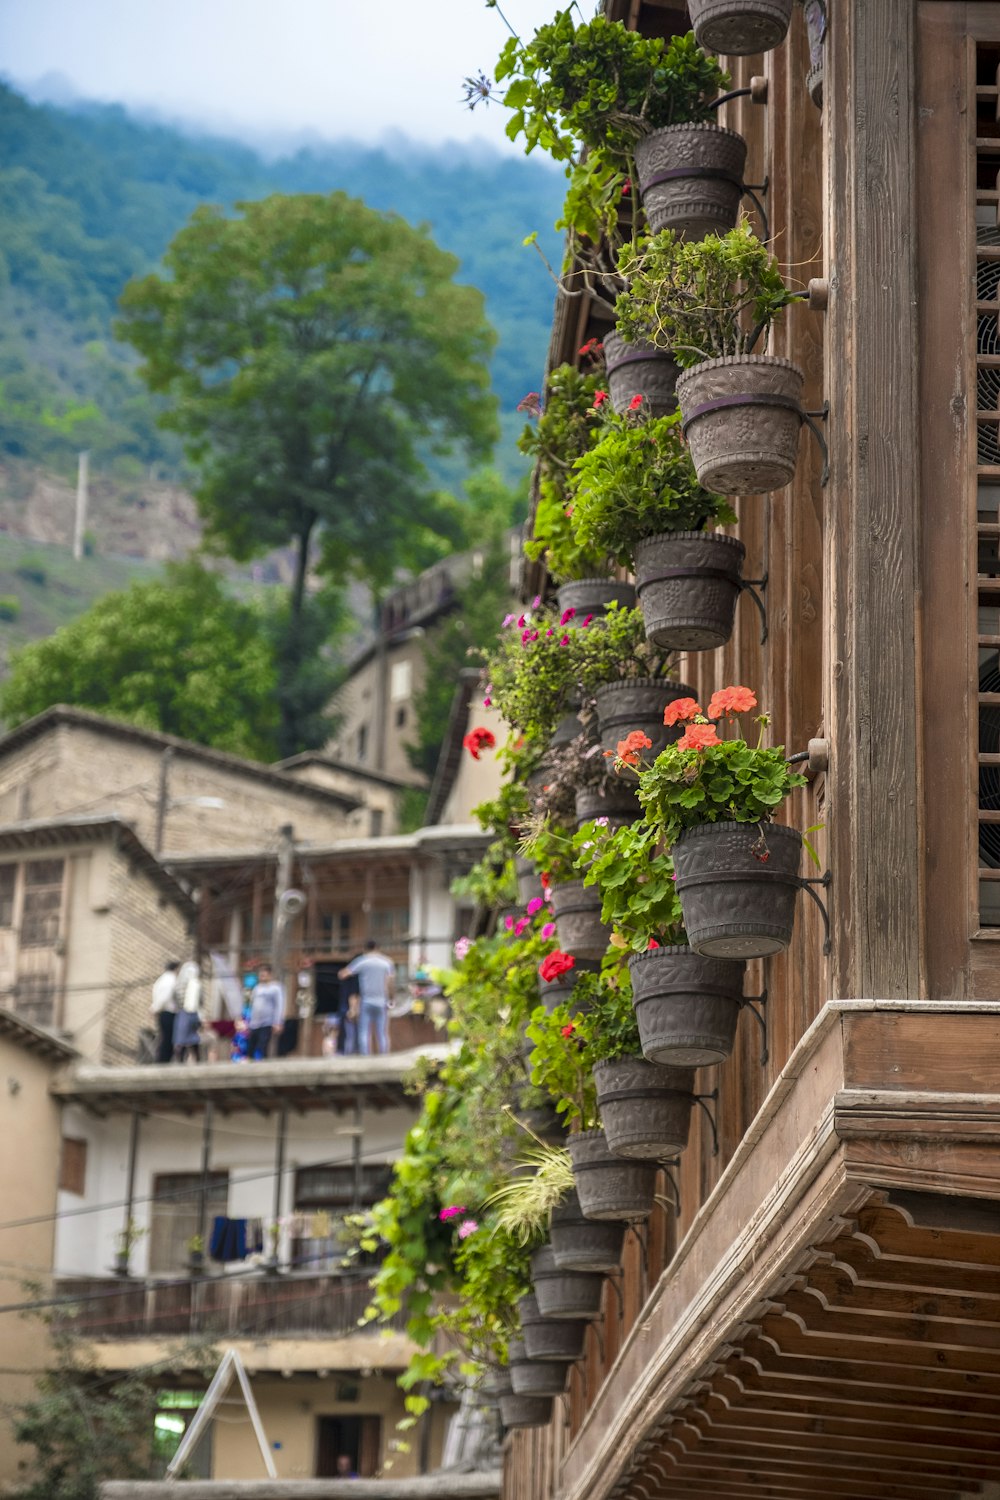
x,y
360,1438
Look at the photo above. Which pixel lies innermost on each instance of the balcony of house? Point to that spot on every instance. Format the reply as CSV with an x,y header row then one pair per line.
x,y
224,1202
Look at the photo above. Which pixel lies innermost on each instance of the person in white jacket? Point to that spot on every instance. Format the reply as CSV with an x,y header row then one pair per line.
x,y
164,1010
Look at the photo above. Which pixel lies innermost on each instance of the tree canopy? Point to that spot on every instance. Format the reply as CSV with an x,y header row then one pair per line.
x,y
313,351
177,655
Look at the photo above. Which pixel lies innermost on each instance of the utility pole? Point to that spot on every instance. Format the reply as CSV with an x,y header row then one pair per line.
x,y
80,521
162,800
283,881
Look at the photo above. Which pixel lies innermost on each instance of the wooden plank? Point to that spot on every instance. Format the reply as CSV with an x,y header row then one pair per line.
x,y
922,1051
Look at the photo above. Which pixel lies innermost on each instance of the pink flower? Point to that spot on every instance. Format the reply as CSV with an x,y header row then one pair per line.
x,y
452,1212
487,702
549,632
508,922
599,398
535,603
635,403
588,619
467,1227
535,904
462,946
521,621
567,615
520,925
564,641
507,620
549,931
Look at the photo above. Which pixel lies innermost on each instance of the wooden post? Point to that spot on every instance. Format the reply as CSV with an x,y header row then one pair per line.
x,y
162,800
874,782
123,1257
206,1158
279,1173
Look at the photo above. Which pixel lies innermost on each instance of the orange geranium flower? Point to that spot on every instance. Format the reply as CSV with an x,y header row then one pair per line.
x,y
731,700
631,745
698,737
680,711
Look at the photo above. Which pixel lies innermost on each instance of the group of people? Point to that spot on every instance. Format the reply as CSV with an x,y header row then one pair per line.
x,y
178,1010
183,1027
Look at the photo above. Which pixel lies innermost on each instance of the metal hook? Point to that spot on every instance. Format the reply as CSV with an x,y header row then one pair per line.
x,y
702,1099
750,586
807,882
807,417
750,1003
668,1170
613,1281
751,190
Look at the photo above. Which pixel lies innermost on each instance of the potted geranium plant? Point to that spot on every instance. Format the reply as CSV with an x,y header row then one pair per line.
x,y
636,495
580,785
740,28
708,303
686,1006
629,679
712,802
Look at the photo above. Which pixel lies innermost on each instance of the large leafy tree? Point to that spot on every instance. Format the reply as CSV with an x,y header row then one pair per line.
x,y
314,351
176,654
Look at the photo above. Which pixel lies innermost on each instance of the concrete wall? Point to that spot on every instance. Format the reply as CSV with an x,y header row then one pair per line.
x,y
477,780
367,695
77,769
146,930
290,1412
29,1128
380,815
243,1143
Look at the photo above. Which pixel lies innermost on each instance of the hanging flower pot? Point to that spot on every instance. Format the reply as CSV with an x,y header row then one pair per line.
x,y
564,1294
525,1411
567,729
688,583
617,802
646,1108
687,1006
609,1187
529,885
581,1244
638,703
739,28
691,178
557,1339
591,596
543,1121
577,910
534,1377
559,991
737,884
640,370
741,416
815,14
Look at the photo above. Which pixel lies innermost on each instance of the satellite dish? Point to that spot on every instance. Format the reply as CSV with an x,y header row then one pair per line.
x,y
290,903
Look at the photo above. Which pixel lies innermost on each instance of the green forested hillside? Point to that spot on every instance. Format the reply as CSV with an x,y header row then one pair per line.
x,y
90,197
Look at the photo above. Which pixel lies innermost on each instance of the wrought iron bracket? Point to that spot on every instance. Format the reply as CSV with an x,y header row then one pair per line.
x,y
613,1282
675,1187
807,417
750,586
702,1101
757,92
751,190
755,1005
807,882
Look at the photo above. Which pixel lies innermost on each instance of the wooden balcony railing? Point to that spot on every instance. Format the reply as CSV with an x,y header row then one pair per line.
x,y
261,1306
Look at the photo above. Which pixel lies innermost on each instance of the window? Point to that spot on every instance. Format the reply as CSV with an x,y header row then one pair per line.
x,y
8,880
176,1217
73,1165
362,741
35,999
176,1410
400,718
400,681
336,929
391,925
323,1196
43,888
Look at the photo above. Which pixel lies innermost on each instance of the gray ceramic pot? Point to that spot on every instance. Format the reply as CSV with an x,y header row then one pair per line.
x,y
564,1294
742,417
737,884
608,1187
688,584
645,1107
687,1006
691,178
640,370
739,28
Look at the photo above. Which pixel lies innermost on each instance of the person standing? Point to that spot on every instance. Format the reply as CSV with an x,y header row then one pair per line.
x,y
267,1013
187,1020
376,976
164,1010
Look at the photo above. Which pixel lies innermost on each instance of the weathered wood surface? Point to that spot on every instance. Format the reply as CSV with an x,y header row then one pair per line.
x,y
875,441
428,1487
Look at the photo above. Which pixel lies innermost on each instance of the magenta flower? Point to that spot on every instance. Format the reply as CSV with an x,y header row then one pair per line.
x,y
536,601
520,925
508,922
462,946
487,702
549,931
567,615
588,620
535,904
467,1227
564,641
452,1212
507,620
521,621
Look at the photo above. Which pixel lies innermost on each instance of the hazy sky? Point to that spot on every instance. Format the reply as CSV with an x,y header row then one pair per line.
x,y
260,68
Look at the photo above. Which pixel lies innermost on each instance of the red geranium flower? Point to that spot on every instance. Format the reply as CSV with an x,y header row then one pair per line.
x,y
479,739
698,737
600,397
631,745
731,700
680,711
568,1030
556,964
635,403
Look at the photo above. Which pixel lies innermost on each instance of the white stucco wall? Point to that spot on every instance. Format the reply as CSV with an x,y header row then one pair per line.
x,y
243,1143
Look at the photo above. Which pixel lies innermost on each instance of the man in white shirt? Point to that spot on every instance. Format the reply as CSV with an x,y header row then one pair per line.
x,y
164,1009
376,976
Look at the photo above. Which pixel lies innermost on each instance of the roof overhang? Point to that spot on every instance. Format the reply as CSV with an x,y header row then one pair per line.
x,y
333,1083
831,1321
443,1486
40,834
35,1038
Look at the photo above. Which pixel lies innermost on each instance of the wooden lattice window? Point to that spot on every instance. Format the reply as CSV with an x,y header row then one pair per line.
x,y
42,908
987,294
73,1165
8,885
